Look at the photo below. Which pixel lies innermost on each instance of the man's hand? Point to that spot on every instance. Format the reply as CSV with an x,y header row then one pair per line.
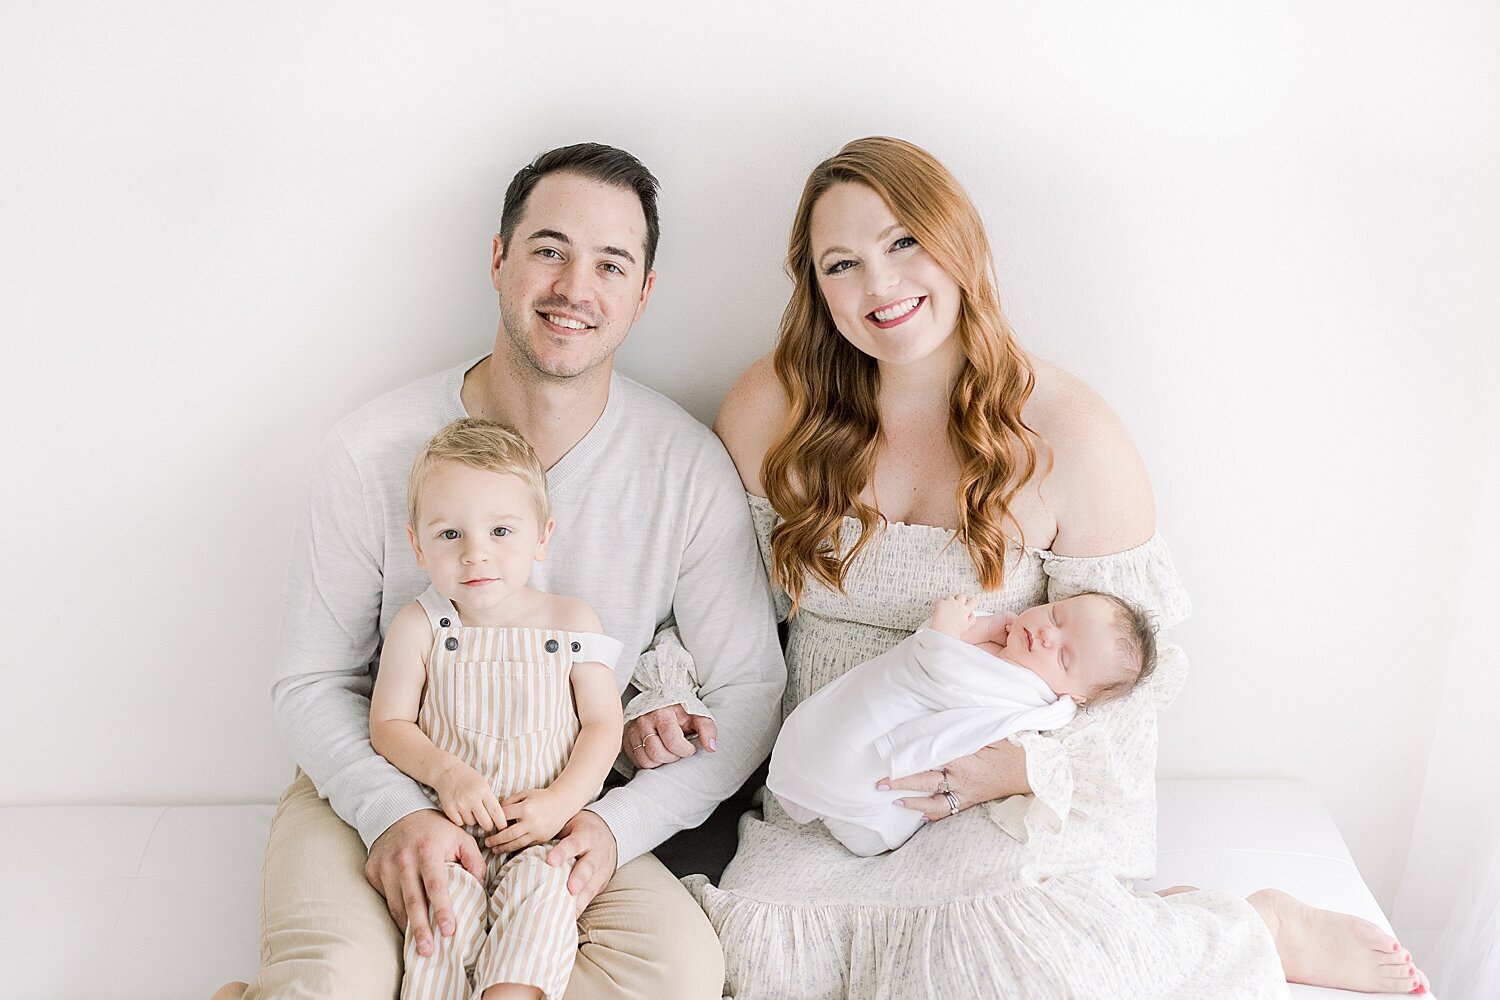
x,y
535,818
408,866
588,842
661,737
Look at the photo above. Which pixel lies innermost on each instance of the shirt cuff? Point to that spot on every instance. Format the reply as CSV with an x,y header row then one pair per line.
x,y
627,822
388,807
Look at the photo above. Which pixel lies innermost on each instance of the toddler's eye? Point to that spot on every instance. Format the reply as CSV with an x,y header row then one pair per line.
x,y
449,533
501,532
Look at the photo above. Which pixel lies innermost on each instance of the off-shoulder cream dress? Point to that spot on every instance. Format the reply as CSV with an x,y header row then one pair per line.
x,y
1030,896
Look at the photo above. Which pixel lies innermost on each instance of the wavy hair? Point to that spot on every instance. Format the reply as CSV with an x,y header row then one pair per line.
x,y
825,454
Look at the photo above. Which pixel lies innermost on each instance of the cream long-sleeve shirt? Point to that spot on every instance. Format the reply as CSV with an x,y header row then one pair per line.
x,y
651,529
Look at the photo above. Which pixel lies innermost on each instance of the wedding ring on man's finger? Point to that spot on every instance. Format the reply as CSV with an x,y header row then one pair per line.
x,y
952,803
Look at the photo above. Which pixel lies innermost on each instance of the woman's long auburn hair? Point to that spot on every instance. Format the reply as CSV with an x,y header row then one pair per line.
x,y
825,454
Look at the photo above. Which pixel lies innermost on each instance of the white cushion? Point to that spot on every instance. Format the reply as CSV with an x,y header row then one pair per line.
x,y
160,903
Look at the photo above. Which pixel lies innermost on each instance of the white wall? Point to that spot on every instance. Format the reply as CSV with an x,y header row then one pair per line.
x,y
1264,232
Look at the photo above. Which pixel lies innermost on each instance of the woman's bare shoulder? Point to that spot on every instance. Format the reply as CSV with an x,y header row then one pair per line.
x,y
1098,487
750,419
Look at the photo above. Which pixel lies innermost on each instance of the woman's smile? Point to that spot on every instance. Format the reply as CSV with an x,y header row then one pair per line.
x,y
896,313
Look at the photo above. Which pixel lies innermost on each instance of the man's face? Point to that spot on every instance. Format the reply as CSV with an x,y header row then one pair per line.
x,y
573,279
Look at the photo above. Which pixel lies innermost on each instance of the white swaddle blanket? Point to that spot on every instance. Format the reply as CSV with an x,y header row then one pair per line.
x,y
928,700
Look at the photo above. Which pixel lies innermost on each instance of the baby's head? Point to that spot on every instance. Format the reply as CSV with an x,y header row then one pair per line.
x,y
1092,647
478,509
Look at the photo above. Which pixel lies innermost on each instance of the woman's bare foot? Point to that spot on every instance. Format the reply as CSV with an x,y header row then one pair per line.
x,y
1323,948
1174,890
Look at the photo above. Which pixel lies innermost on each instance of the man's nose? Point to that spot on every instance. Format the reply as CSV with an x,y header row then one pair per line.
x,y
572,282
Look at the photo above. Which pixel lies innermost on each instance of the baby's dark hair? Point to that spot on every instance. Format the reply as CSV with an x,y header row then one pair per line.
x,y
1135,635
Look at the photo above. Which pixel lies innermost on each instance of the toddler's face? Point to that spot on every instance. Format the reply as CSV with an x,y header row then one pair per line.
x,y
1071,645
479,535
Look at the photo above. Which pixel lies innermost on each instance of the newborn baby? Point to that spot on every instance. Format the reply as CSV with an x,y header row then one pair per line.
x,y
959,682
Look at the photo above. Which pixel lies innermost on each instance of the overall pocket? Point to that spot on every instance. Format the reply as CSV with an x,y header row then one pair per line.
x,y
501,699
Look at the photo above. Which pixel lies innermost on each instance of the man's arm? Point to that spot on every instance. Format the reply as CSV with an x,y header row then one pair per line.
x,y
723,609
321,698
329,633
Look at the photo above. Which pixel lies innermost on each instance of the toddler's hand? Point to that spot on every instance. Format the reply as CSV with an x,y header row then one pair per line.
x,y
954,614
467,799
535,816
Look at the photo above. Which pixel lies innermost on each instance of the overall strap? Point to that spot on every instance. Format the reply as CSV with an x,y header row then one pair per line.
x,y
591,647
440,611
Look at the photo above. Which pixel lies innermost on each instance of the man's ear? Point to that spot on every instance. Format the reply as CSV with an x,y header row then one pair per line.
x,y
497,257
646,287
541,543
416,546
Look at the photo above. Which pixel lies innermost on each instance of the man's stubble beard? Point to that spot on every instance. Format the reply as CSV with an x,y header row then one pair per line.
x,y
524,360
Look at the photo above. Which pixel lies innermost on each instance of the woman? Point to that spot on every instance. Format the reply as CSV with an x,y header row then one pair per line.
x,y
899,445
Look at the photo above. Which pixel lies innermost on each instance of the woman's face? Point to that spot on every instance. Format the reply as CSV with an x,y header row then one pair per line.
x,y
887,295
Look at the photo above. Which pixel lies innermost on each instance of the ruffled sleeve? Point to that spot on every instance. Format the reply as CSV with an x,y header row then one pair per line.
x,y
1104,761
763,515
666,675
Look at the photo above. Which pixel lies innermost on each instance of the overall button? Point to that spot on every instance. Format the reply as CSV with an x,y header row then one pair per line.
x,y
450,643
551,645
577,647
443,623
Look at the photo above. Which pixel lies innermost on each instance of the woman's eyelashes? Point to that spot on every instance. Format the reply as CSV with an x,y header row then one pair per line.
x,y
845,263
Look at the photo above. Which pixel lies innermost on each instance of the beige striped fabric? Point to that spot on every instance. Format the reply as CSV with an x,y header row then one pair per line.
x,y
500,700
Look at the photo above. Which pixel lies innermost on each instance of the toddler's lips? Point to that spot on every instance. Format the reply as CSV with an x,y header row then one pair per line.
x,y
479,581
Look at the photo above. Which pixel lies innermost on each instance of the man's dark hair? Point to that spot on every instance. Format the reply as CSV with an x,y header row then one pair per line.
x,y
597,162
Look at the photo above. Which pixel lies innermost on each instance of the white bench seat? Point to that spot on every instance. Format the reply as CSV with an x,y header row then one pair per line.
x,y
161,903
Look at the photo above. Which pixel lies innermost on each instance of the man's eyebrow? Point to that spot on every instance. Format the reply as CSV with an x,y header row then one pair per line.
x,y
557,237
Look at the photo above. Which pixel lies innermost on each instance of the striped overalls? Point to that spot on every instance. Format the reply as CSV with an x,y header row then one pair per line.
x,y
500,700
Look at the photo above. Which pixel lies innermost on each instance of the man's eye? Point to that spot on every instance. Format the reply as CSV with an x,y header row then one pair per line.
x,y
501,532
548,252
449,533
837,266
612,267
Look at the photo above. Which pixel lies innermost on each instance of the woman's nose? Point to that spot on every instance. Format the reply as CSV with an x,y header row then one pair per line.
x,y
879,279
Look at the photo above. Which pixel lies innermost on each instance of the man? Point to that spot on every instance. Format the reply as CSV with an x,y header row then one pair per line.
x,y
651,531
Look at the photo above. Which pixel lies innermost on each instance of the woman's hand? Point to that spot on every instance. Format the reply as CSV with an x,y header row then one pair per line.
x,y
661,737
993,772
466,798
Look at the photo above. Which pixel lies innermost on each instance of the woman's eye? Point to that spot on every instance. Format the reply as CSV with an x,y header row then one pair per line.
x,y
837,266
448,533
904,243
501,532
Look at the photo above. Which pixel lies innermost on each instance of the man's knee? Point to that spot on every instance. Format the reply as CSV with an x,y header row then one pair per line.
x,y
645,936
324,930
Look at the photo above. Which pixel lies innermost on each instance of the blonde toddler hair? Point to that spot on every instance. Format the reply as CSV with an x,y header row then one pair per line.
x,y
480,444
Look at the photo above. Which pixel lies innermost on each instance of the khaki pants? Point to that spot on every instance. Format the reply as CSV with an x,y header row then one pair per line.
x,y
326,933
